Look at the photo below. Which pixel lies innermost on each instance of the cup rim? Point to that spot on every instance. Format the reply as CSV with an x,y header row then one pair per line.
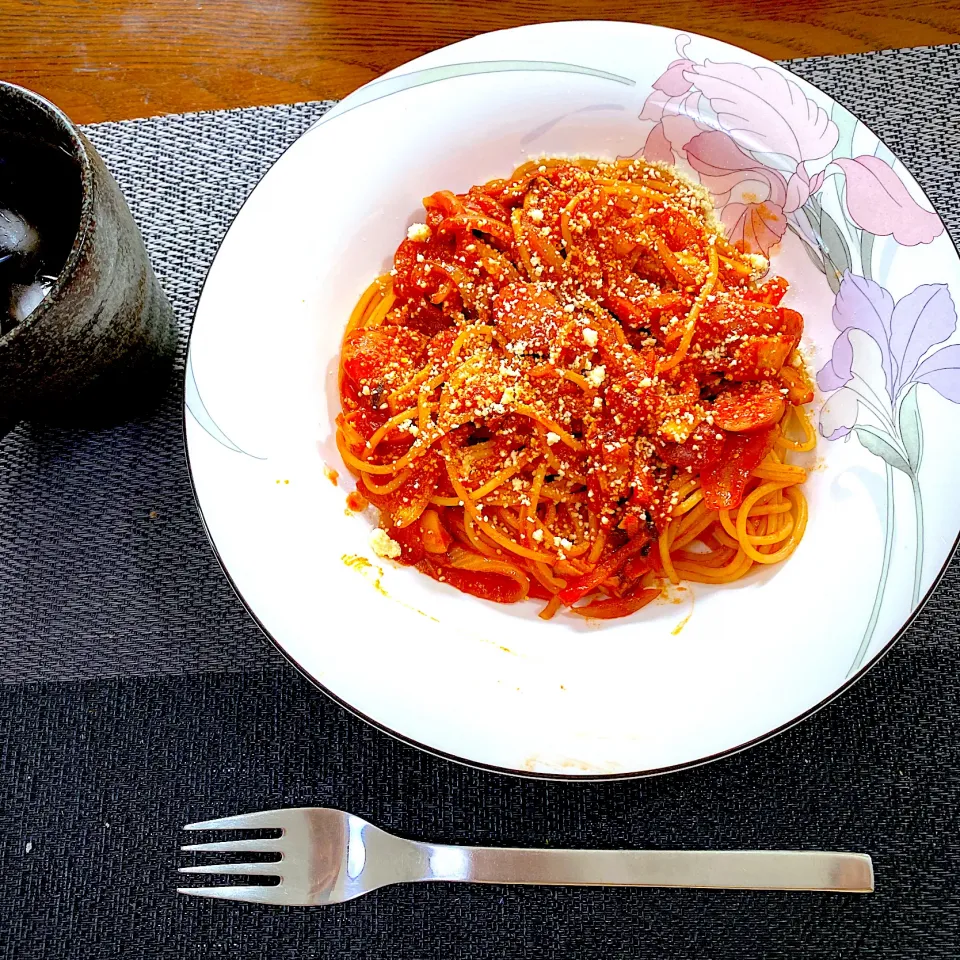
x,y
82,155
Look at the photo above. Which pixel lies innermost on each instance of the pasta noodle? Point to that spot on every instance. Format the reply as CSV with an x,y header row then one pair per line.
x,y
572,387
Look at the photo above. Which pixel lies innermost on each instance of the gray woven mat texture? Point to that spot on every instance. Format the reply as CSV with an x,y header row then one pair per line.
x,y
104,567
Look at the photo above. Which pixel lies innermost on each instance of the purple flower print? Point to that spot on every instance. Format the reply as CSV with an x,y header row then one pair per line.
x,y
884,350
857,368
903,333
878,201
920,321
839,414
861,304
942,372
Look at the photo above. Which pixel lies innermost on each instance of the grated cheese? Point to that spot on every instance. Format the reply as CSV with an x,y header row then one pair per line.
x,y
596,376
418,231
384,545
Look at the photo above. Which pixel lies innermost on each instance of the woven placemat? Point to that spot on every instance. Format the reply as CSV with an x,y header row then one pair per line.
x,y
139,696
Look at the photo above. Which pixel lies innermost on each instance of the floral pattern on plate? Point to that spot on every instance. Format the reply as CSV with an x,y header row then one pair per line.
x,y
793,173
767,153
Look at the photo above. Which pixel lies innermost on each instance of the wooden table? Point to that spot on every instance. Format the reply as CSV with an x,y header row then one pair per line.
x,y
114,59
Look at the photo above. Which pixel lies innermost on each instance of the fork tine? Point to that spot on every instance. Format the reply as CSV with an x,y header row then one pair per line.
x,y
262,819
242,869
237,846
249,894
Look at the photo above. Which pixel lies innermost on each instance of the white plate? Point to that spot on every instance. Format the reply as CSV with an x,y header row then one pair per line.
x,y
709,670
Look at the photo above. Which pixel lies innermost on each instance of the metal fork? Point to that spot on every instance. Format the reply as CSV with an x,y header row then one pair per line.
x,y
328,856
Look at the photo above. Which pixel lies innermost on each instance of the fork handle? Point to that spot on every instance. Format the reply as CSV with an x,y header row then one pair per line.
x,y
714,869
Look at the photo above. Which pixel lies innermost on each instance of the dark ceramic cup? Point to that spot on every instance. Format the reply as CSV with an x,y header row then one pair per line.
x,y
99,344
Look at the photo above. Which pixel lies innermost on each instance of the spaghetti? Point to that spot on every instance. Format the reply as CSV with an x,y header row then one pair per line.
x,y
572,387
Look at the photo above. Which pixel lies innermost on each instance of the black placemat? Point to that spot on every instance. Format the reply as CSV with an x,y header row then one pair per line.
x,y
99,776
100,767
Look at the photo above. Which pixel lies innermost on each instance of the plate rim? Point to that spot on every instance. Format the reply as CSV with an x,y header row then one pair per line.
x,y
435,751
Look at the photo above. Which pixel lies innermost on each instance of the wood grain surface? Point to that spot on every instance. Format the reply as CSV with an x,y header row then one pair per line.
x,y
115,59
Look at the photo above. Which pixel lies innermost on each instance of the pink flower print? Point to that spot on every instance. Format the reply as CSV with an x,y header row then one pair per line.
x,y
658,148
672,81
672,122
878,201
721,117
671,110
754,227
769,113
799,188
752,198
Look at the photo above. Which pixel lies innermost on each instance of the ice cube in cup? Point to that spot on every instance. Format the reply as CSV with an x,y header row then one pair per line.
x,y
26,297
18,237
